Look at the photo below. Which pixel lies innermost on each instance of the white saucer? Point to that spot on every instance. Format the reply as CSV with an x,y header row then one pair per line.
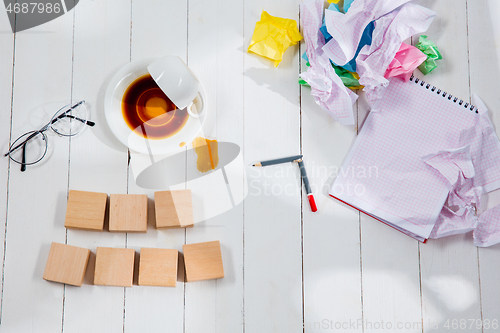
x,y
113,113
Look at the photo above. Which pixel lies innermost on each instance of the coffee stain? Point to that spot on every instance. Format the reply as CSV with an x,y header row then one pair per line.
x,y
208,154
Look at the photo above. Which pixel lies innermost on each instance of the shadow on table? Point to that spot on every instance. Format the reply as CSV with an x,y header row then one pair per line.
x,y
273,78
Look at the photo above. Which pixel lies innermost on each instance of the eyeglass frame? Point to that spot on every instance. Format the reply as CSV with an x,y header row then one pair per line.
x,y
44,129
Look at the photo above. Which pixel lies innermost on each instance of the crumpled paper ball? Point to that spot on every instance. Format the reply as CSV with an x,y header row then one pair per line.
x,y
272,36
431,50
405,61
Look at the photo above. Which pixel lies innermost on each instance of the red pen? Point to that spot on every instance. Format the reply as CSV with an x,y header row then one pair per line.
x,y
309,193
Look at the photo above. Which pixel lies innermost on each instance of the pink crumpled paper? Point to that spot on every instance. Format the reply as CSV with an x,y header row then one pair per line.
x,y
405,61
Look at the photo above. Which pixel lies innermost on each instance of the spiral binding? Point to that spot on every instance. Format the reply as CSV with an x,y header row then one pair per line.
x,y
444,94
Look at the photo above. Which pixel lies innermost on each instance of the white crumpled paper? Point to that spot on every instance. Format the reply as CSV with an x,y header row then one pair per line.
x,y
459,211
471,171
346,29
390,31
326,86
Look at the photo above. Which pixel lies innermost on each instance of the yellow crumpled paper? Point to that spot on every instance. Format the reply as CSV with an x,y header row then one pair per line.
x,y
272,36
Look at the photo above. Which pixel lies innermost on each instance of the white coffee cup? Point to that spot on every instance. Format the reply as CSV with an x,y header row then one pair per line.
x,y
177,81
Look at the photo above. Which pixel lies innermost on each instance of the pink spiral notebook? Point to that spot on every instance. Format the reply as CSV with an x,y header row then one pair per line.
x,y
388,173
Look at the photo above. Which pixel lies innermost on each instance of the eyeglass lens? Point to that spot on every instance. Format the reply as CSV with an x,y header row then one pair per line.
x,y
32,147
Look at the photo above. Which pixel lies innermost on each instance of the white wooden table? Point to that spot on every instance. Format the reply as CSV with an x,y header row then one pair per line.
x,y
287,270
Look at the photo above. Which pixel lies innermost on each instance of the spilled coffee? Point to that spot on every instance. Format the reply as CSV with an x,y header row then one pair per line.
x,y
149,112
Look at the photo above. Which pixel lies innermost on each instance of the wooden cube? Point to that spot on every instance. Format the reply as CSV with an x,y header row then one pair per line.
x,y
158,267
114,267
128,213
66,264
203,261
86,210
173,209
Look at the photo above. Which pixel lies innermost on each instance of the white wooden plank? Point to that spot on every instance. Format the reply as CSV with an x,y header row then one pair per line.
x,y
102,46
36,206
391,285
449,266
159,28
484,56
215,55
332,271
6,68
272,237
391,288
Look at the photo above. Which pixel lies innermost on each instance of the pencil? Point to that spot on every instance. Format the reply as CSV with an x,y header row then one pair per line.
x,y
278,161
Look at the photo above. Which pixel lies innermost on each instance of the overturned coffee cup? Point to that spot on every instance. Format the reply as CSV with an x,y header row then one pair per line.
x,y
177,82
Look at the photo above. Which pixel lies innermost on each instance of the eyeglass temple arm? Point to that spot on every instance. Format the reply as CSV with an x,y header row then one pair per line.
x,y
23,161
86,122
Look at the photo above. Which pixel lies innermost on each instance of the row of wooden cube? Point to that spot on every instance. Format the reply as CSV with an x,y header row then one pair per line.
x,y
115,266
128,212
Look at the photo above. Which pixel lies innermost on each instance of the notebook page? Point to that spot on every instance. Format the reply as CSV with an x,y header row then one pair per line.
x,y
384,174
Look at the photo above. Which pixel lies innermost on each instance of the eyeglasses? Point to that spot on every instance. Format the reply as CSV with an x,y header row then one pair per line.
x,y
31,147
